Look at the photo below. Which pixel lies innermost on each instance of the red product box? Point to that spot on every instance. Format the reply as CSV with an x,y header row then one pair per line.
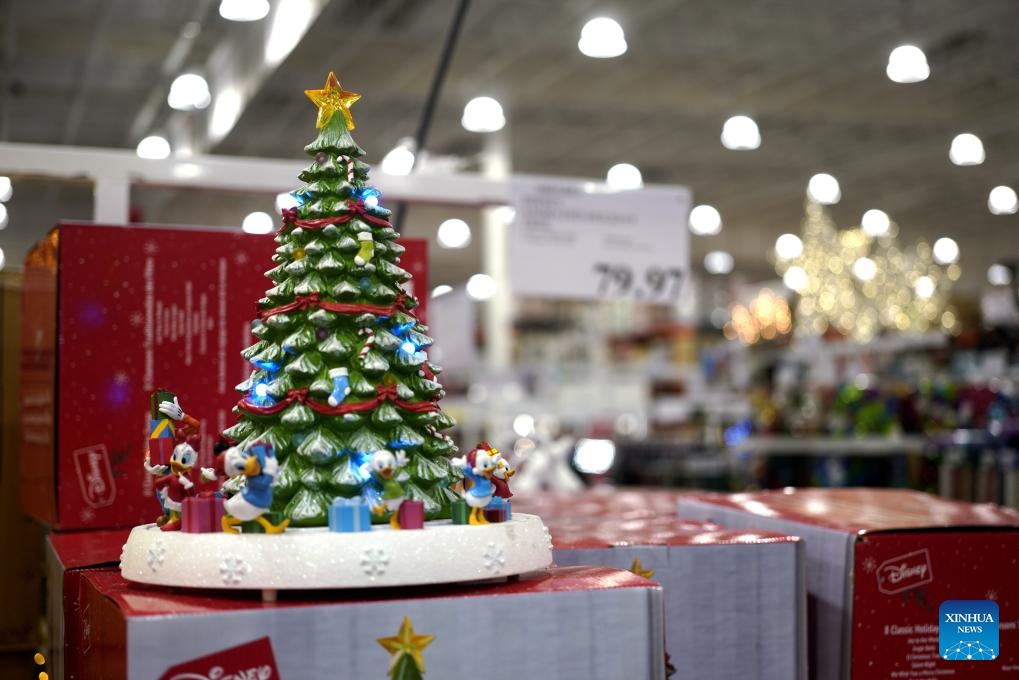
x,y
69,556
880,562
537,626
126,311
735,601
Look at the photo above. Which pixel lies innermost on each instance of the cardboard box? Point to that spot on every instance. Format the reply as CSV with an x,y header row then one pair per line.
x,y
735,601
114,314
69,555
21,584
880,562
582,623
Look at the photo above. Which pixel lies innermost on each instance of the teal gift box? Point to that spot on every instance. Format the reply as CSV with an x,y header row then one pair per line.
x,y
347,515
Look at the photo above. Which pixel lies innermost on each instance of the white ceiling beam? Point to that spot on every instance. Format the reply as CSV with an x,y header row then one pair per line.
x,y
232,173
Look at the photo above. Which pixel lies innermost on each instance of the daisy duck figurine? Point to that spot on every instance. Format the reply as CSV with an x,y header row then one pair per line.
x,y
259,466
384,467
478,468
501,477
174,483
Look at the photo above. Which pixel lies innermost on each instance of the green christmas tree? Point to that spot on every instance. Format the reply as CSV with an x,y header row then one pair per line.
x,y
340,367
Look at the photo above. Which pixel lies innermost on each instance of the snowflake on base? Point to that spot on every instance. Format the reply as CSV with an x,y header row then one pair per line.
x,y
157,553
494,558
233,570
374,562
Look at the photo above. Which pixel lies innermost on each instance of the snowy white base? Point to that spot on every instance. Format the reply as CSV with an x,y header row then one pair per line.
x,y
297,559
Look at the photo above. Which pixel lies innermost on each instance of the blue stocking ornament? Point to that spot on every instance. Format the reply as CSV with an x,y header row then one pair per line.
x,y
341,386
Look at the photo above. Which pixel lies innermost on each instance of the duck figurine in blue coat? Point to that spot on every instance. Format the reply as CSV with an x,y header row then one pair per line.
x,y
259,466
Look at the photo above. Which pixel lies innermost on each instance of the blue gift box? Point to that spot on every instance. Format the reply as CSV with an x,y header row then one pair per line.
x,y
500,504
349,514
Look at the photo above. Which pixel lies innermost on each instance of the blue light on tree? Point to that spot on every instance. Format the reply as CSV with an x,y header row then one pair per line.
x,y
371,197
259,395
270,366
408,347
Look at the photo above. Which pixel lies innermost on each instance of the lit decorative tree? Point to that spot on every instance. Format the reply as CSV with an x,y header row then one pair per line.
x,y
340,369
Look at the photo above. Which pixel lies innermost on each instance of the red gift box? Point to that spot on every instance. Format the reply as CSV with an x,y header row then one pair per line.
x,y
495,515
879,564
411,515
201,514
161,441
179,304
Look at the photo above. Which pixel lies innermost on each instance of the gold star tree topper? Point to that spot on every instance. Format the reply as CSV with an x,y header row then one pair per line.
x,y
330,99
638,569
407,642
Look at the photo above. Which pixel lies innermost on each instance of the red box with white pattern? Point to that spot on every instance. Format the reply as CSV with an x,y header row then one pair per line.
x,y
879,564
128,310
588,623
723,589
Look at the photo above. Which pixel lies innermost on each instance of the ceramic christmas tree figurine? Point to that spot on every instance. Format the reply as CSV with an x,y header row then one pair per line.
x,y
340,365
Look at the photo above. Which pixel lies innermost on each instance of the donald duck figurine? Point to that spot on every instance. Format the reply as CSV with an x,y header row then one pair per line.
x,y
478,466
259,466
384,468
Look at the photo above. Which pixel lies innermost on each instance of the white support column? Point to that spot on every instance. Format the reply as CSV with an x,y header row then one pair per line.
x,y
498,311
111,199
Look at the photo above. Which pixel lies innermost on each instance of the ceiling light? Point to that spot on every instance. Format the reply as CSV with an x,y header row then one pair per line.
x,y
153,148
189,91
907,64
290,22
924,287
705,220
999,275
6,189
740,133
795,278
623,177
400,159
718,262
243,10
945,251
875,222
483,114
864,269
481,287
225,112
523,425
594,456
441,289
257,223
602,38
454,233
505,213
1003,201
3,216
788,247
966,149
824,189
286,200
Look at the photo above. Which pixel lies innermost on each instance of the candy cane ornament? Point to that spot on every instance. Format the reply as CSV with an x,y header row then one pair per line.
x,y
368,344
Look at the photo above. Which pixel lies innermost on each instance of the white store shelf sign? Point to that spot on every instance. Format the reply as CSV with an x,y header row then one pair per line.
x,y
575,239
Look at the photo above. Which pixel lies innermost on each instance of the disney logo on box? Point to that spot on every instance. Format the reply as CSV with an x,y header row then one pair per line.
x,y
251,661
95,476
904,572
